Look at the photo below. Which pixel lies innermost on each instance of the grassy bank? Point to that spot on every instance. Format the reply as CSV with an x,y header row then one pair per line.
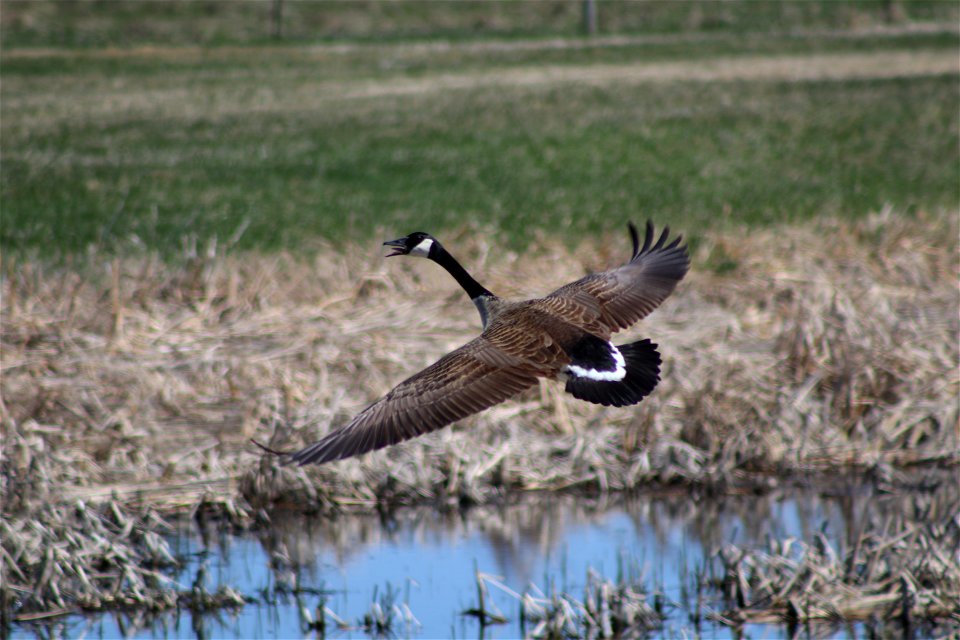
x,y
268,148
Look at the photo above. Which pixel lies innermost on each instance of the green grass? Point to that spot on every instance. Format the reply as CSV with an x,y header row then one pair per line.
x,y
142,150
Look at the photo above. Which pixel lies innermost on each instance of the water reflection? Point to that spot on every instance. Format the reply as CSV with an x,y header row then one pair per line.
x,y
424,560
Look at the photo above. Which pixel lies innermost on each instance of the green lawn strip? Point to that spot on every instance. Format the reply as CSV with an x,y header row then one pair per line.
x,y
522,160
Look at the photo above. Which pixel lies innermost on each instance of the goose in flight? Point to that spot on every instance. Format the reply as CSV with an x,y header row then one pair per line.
x,y
565,335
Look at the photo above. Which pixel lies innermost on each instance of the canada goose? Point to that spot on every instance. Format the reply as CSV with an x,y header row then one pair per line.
x,y
563,336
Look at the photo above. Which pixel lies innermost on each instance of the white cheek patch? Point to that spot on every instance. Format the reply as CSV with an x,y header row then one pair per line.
x,y
422,250
614,375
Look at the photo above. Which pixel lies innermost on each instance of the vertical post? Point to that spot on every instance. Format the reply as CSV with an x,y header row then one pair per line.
x,y
277,19
893,11
590,17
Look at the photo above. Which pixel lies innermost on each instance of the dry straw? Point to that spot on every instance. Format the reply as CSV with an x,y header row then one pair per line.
x,y
903,567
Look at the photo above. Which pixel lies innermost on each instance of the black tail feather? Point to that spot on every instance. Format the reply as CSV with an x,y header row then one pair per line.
x,y
643,373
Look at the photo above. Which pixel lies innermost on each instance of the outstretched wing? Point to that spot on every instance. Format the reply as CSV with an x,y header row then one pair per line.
x,y
472,378
618,298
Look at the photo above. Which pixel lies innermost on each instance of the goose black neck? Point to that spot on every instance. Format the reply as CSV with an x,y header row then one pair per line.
x,y
473,288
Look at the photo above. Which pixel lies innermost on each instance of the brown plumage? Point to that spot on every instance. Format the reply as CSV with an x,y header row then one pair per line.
x,y
564,335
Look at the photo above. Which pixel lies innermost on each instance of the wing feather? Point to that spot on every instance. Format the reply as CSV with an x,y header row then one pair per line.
x,y
616,299
461,383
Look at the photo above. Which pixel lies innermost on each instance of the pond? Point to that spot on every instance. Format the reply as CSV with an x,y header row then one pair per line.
x,y
420,566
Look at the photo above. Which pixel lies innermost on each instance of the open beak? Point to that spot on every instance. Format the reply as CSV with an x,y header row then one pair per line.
x,y
399,247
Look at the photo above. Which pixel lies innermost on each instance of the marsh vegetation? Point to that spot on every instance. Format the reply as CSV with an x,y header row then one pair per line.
x,y
132,393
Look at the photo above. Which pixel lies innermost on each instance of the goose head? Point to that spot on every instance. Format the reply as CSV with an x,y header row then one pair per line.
x,y
418,244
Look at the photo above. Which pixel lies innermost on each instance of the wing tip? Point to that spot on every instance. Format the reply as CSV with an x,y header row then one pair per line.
x,y
661,244
269,450
635,238
317,453
286,457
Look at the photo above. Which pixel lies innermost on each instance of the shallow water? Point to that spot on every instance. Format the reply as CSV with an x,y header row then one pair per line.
x,y
425,562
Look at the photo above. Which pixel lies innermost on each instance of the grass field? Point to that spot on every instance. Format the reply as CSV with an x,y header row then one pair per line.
x,y
266,147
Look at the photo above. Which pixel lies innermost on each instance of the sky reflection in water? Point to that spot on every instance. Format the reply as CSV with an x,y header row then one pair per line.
x,y
428,558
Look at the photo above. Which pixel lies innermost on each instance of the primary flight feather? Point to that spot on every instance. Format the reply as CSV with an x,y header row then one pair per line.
x,y
564,335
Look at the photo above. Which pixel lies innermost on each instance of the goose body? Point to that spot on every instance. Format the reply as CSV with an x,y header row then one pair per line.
x,y
565,335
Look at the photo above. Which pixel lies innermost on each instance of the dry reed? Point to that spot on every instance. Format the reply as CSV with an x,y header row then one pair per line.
x,y
904,568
